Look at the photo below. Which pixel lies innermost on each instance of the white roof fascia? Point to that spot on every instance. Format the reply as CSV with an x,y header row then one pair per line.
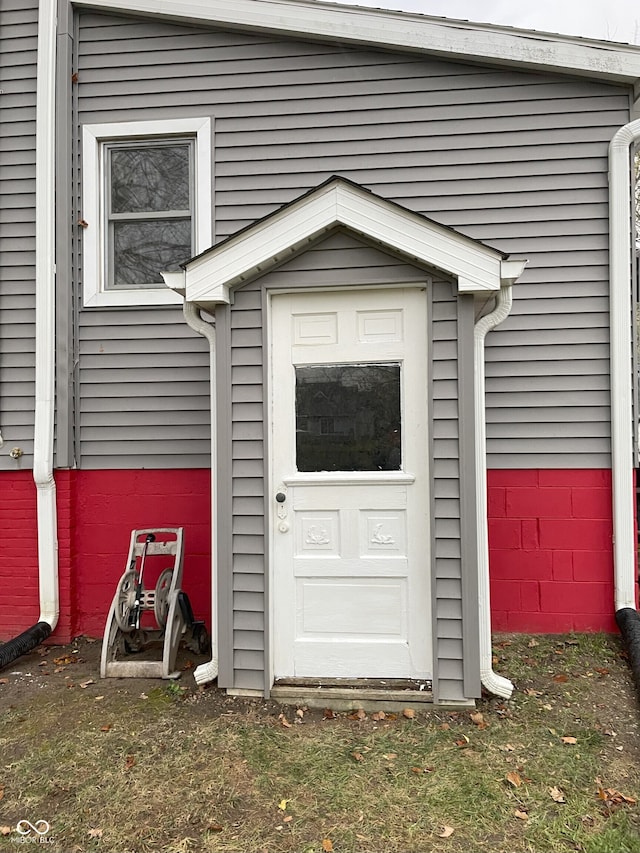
x,y
398,31
209,277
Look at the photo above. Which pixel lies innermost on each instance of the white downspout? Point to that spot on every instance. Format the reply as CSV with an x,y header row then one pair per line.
x,y
208,671
493,682
620,259
45,345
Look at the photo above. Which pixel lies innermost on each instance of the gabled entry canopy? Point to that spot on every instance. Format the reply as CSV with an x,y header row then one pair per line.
x,y
208,278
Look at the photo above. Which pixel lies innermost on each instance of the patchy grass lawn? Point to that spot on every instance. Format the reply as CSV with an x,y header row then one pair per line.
x,y
125,765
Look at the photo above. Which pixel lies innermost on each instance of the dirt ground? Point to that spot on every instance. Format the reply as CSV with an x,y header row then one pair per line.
x,y
49,671
54,669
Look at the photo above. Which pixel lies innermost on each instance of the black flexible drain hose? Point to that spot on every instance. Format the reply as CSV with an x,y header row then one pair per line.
x,y
23,643
628,621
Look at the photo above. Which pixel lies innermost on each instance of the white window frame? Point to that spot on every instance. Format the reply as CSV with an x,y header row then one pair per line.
x,y
95,292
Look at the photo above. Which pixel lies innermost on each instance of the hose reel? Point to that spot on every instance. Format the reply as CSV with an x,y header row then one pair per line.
x,y
128,630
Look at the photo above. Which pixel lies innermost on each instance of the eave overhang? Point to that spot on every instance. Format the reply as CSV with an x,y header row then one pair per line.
x,y
209,278
387,30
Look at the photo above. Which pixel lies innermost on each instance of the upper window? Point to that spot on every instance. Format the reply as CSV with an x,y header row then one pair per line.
x,y
147,207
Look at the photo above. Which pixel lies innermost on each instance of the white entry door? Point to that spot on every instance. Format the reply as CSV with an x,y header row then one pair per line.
x,y
349,470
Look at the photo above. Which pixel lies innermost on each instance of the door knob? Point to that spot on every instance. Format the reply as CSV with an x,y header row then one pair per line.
x,y
281,497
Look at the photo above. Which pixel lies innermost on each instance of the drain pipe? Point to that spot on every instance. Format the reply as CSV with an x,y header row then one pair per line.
x,y
47,522
620,260
493,682
208,671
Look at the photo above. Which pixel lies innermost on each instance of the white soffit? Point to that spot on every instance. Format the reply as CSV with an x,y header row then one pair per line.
x,y
338,202
398,31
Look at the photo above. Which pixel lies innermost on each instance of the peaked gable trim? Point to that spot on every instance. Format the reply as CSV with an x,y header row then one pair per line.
x,y
398,31
208,278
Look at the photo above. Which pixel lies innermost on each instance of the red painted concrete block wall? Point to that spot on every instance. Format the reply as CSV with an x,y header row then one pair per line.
x,y
550,538
550,550
96,512
19,604
109,505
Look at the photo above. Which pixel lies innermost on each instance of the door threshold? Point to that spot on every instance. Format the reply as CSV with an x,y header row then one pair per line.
x,y
352,694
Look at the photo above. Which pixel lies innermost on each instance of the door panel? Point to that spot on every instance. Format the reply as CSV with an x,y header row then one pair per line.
x,y
351,577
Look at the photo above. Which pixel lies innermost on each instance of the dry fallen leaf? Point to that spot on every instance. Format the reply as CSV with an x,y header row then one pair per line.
x,y
521,815
287,819
5,830
327,845
300,712
4,680
533,643
570,740
328,714
95,833
560,679
409,713
378,715
106,728
85,684
284,722
129,762
462,742
445,727
390,755
611,797
446,831
358,756
282,805
514,778
357,715
507,748
422,769
531,692
215,827
477,718
556,795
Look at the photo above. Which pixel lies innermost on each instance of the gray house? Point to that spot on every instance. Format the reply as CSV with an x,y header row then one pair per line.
x,y
256,252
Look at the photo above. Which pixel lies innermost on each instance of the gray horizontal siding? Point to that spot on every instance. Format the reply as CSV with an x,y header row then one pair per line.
x,y
143,391
18,42
448,683
515,159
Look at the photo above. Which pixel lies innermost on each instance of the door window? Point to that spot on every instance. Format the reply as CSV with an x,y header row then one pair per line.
x,y
348,417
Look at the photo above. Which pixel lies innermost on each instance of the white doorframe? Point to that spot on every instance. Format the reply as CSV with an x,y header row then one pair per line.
x,y
401,478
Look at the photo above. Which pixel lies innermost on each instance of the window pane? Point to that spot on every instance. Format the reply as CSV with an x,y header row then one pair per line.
x,y
150,178
141,250
348,417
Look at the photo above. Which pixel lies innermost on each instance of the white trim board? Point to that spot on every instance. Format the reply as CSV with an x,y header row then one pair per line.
x,y
399,31
208,279
95,294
